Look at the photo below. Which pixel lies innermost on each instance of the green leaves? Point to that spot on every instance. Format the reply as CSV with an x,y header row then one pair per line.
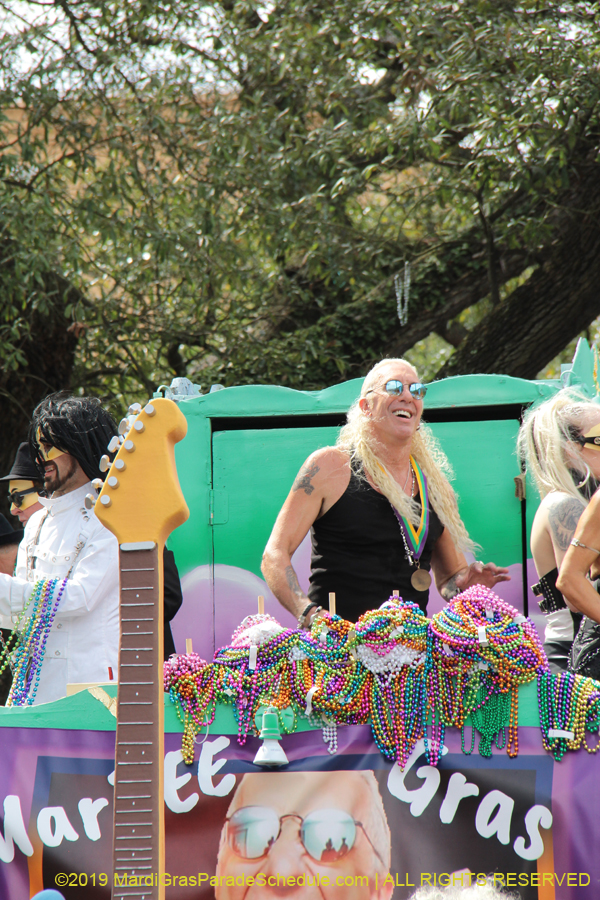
x,y
230,188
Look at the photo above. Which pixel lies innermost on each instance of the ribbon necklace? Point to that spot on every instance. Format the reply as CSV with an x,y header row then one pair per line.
x,y
415,538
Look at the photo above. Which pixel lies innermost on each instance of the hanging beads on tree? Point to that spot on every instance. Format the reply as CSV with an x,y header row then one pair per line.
x,y
402,288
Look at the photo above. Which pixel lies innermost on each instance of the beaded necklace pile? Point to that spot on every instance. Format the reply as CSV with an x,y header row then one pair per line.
x,y
406,675
391,643
569,705
481,649
26,656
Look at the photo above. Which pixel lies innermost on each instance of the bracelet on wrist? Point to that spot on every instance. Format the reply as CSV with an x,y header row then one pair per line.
x,y
312,615
303,615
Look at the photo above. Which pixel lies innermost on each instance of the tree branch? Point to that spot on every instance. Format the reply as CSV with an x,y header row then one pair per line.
x,y
559,300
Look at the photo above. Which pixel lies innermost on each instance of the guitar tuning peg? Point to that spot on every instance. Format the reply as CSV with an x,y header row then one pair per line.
x,y
114,444
104,465
120,465
129,446
139,427
149,410
97,483
113,482
135,409
124,426
105,500
89,501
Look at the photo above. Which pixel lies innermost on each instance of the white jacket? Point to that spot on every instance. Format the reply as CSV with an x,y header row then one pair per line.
x,y
84,639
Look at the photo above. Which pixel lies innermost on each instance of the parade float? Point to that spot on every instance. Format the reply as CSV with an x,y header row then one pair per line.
x,y
407,749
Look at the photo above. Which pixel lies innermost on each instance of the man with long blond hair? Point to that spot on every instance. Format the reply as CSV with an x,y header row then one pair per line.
x,y
380,508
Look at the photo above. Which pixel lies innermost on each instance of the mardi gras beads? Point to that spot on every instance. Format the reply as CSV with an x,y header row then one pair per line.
x,y
261,631
553,701
391,642
37,619
331,630
330,737
253,674
490,718
193,696
397,713
408,677
389,638
481,646
21,651
433,740
256,630
479,633
478,626
568,704
337,686
9,649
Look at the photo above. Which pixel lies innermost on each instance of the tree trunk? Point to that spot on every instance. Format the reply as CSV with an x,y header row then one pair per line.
x,y
562,297
49,350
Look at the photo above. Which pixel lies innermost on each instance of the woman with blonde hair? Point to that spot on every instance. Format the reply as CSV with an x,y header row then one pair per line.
x,y
380,508
554,440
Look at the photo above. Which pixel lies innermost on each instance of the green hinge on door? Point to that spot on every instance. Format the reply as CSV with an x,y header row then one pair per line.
x,y
218,507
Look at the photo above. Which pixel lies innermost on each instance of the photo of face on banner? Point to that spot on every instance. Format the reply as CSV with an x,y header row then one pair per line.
x,y
305,834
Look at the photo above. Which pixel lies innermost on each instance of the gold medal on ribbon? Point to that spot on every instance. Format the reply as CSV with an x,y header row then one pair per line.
x,y
420,580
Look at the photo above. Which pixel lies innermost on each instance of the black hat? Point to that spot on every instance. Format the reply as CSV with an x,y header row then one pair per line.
x,y
8,535
23,468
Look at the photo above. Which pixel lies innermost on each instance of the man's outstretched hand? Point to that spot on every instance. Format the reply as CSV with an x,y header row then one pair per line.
x,y
488,574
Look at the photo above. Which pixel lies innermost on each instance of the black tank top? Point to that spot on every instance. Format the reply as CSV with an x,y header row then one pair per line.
x,y
358,553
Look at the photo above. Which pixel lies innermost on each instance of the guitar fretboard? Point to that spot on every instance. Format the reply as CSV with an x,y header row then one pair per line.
x,y
138,833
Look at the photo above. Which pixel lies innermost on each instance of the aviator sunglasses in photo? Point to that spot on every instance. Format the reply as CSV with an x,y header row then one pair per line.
x,y
394,388
327,835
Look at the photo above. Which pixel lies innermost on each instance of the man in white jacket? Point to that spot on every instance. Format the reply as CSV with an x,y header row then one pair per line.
x,y
64,596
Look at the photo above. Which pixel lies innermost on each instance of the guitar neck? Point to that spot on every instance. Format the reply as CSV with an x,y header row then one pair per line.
x,y
138,832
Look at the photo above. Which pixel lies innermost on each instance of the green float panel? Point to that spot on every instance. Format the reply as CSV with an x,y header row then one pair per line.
x,y
192,541
485,464
246,498
253,471
82,710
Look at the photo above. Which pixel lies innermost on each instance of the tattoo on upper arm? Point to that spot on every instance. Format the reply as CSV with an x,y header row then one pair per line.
x,y
292,581
302,482
563,517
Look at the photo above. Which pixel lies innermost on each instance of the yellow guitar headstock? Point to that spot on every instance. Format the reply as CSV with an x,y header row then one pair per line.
x,y
141,499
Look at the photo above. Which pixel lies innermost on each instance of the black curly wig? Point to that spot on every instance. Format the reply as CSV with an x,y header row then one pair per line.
x,y
76,425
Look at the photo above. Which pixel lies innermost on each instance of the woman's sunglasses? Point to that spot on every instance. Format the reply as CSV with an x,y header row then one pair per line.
x,y
326,834
394,388
17,497
592,438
